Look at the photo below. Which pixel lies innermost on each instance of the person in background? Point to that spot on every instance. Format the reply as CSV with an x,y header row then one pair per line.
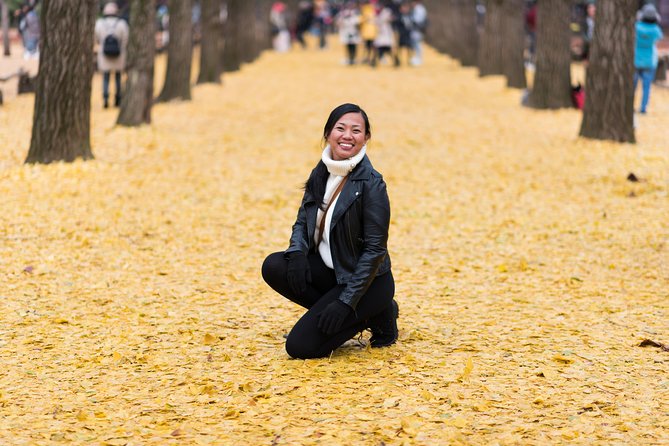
x,y
31,32
305,17
348,22
279,25
405,28
531,29
590,11
337,264
419,17
323,18
385,37
648,32
111,34
368,29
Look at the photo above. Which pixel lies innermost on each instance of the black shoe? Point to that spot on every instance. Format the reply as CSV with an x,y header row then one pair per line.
x,y
117,101
105,104
384,327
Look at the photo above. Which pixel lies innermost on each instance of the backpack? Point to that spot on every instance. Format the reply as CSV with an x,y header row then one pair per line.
x,y
111,47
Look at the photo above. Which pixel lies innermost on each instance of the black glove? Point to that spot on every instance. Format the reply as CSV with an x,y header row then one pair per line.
x,y
298,272
332,316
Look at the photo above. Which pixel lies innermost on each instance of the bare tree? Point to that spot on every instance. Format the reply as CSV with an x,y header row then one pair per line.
x,y
491,49
469,35
241,35
232,58
514,43
4,10
138,100
210,62
609,99
552,78
179,52
61,118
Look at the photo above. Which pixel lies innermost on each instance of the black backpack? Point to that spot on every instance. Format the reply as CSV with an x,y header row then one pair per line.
x,y
111,47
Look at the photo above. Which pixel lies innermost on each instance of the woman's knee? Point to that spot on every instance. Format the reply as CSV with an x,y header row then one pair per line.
x,y
273,267
297,348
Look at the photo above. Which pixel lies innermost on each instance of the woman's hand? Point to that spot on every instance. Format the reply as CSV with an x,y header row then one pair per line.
x,y
333,316
299,273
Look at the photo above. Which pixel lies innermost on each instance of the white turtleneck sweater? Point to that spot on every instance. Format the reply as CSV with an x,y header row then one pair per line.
x,y
338,171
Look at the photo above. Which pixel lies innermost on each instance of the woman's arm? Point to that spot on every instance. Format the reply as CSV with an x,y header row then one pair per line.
x,y
376,223
299,237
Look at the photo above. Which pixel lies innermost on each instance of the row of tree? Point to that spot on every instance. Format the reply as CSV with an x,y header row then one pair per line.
x,y
498,50
234,32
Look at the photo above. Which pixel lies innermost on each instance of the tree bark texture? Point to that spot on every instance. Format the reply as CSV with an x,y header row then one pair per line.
x,y
248,36
263,32
438,33
138,98
210,63
469,36
491,49
514,43
179,52
62,114
609,93
4,10
552,78
232,58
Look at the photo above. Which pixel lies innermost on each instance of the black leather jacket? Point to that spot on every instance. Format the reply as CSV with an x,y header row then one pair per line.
x,y
358,232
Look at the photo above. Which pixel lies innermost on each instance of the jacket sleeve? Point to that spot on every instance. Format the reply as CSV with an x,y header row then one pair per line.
x,y
376,223
299,237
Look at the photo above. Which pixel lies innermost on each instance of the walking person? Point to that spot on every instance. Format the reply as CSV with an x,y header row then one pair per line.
x,y
279,26
337,264
420,20
31,32
323,17
385,37
348,22
405,28
648,32
368,29
111,33
305,17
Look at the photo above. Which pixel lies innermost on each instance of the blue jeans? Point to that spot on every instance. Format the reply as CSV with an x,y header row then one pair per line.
x,y
647,76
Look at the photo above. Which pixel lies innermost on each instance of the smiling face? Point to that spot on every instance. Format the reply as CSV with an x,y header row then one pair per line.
x,y
347,136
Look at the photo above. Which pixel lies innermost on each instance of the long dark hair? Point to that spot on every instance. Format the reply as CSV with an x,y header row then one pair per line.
x,y
319,176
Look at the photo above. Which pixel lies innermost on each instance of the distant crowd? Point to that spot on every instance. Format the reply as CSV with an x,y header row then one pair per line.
x,y
386,31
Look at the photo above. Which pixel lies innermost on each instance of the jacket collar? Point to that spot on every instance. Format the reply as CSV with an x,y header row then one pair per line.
x,y
363,171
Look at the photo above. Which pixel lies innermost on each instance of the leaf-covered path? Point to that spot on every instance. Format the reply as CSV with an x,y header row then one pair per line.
x,y
528,270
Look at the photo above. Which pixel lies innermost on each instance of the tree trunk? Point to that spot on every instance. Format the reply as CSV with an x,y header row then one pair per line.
x,y
5,27
491,49
609,95
232,58
263,32
210,66
179,52
138,98
469,39
248,42
61,120
552,78
514,43
437,32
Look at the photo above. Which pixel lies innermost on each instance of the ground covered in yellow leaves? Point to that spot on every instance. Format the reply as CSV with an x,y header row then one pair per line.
x,y
528,270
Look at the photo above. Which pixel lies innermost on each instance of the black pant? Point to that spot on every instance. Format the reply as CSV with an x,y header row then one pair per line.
x,y
105,85
351,50
305,340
